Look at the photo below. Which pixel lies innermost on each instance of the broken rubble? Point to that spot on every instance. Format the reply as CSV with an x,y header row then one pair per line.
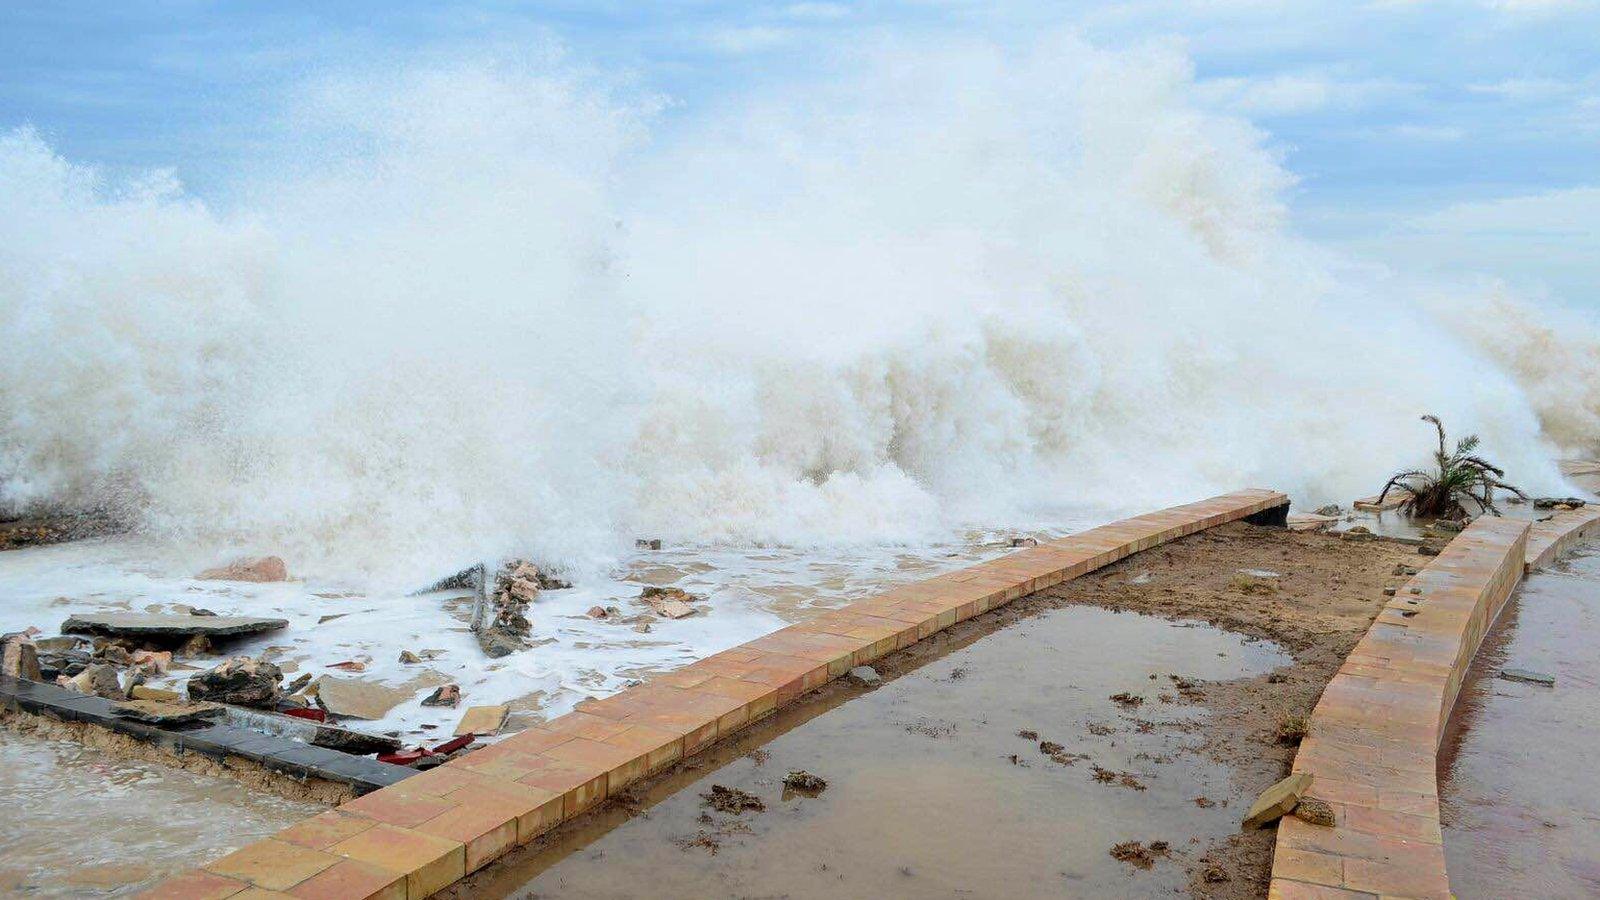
x,y
865,675
1524,675
258,569
241,681
673,603
19,658
99,679
1277,801
444,695
166,712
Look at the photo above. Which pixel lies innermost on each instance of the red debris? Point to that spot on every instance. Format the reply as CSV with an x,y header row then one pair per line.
x,y
315,715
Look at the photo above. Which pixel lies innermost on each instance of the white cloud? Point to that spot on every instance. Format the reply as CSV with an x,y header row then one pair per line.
x,y
817,12
1538,7
1295,93
742,39
1525,89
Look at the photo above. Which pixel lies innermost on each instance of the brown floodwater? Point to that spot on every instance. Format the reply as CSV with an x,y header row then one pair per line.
x,y
83,823
931,790
1519,796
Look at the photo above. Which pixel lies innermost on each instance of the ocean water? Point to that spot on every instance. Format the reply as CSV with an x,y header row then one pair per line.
x,y
505,304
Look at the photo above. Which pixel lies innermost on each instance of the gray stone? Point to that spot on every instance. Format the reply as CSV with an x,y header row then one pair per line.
x,y
866,675
139,625
19,658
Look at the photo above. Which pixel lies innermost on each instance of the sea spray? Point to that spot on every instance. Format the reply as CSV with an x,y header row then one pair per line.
x,y
493,308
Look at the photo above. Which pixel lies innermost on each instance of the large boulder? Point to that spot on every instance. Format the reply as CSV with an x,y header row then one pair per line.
x,y
241,681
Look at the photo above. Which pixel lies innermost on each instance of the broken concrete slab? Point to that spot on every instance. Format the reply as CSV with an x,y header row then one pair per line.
x,y
1277,801
358,698
444,695
167,712
1525,675
483,719
148,625
258,569
145,692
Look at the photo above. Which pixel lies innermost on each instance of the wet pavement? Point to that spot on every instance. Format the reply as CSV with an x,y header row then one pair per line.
x,y
931,790
1519,798
82,823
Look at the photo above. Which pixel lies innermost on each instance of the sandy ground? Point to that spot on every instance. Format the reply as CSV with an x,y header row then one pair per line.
x,y
1325,594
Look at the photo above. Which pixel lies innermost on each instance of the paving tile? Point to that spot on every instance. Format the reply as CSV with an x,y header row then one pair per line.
x,y
272,864
323,830
428,862
396,807
197,884
351,879
486,827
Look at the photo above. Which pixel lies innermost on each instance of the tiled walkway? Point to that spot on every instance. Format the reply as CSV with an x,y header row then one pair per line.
x,y
1373,739
418,836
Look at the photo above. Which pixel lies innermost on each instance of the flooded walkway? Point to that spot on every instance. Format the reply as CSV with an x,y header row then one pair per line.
x,y
937,785
1520,803
83,823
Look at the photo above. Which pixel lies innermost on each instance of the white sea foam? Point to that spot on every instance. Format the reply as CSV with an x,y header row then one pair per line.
x,y
506,307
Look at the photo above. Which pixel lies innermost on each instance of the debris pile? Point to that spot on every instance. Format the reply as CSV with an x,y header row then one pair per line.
x,y
732,800
669,602
500,619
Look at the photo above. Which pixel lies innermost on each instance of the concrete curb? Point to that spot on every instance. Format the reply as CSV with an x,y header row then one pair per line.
x,y
1373,740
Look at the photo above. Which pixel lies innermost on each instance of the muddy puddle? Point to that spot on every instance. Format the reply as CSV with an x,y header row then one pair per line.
x,y
936,782
1520,802
82,823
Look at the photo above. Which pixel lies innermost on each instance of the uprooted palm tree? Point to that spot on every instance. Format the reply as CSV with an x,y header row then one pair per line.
x,y
1460,475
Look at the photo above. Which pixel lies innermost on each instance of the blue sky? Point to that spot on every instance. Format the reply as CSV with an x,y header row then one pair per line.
x,y
1459,136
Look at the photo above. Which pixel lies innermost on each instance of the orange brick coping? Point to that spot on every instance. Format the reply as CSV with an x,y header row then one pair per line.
x,y
1373,740
423,834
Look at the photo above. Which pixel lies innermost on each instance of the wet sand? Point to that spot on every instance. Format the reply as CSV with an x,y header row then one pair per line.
x,y
1519,802
920,769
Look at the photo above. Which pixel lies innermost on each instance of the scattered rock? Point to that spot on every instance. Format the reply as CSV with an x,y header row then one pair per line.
x,y
156,661
1332,509
297,685
1127,700
804,782
670,602
1403,569
1388,592
357,698
597,612
483,719
1277,801
1430,549
241,681
1028,735
143,625
261,568
1315,811
1024,542
648,543
865,675
1050,747
1558,502
1358,534
1538,678
99,679
732,800
409,658
196,645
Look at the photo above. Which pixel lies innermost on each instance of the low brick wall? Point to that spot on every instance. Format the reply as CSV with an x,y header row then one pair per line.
x,y
425,833
1373,740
